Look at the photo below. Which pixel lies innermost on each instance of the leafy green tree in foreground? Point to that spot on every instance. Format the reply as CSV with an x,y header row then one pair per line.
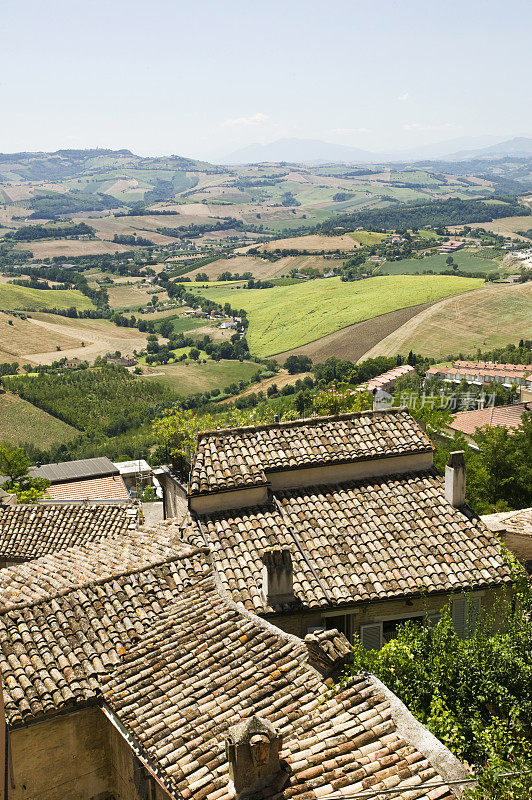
x,y
474,694
14,465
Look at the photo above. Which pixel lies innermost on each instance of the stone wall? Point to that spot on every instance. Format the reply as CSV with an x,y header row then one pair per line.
x,y
64,757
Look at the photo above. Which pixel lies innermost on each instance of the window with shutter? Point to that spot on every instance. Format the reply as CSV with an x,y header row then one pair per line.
x,y
371,636
459,617
473,613
465,613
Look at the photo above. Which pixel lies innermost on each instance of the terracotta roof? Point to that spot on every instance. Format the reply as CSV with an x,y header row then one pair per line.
x,y
30,531
238,457
498,416
512,521
109,488
205,667
75,567
366,540
55,652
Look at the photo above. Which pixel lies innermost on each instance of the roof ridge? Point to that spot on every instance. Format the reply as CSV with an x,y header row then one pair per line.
x,y
100,581
294,423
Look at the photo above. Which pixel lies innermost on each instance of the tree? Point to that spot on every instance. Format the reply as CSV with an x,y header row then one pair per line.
x,y
194,353
474,694
166,328
338,401
295,364
14,463
449,261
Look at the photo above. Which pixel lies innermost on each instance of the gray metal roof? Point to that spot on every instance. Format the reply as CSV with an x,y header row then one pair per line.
x,y
72,470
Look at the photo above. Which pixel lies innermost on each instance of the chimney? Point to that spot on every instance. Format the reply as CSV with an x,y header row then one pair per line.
x,y
277,577
252,750
455,479
328,651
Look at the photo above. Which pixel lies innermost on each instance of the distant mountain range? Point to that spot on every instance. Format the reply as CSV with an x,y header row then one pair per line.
x,y
314,150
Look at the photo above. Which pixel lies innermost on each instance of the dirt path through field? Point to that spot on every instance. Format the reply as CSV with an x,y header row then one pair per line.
x,y
444,319
97,344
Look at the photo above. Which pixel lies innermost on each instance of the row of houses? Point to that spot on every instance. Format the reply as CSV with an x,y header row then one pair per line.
x,y
480,372
193,659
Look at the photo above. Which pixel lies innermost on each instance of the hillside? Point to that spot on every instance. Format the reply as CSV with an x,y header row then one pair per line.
x,y
284,317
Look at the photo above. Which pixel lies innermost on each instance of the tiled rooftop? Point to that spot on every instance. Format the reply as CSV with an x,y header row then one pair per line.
x,y
512,521
76,567
239,457
55,652
367,540
30,531
499,416
111,487
205,667
178,665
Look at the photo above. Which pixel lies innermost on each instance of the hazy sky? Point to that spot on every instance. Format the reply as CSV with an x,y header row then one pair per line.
x,y
204,77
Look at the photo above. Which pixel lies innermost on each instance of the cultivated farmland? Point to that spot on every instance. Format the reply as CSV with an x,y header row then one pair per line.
x,y
437,263
22,298
488,317
19,338
289,316
185,379
22,422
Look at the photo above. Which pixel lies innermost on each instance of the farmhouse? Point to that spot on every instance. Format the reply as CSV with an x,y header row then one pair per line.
x,y
341,522
387,380
129,675
450,247
515,529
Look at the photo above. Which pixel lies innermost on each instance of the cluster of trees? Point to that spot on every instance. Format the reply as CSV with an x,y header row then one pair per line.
x,y
288,199
435,213
29,233
195,230
298,363
235,276
53,205
101,402
236,349
133,239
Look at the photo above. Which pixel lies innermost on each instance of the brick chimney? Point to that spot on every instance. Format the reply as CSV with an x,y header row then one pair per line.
x,y
277,577
455,479
252,750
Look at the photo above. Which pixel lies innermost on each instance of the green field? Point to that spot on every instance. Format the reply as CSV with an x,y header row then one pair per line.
x,y
493,316
181,324
22,298
289,316
22,422
367,237
185,379
466,261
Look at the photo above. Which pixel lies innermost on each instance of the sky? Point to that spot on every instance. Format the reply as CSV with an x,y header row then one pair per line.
x,y
205,77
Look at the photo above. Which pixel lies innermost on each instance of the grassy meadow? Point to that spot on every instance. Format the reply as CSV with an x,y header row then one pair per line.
x,y
289,316
185,379
22,298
